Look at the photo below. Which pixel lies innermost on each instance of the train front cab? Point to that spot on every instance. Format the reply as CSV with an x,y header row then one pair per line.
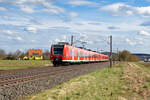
x,y
56,54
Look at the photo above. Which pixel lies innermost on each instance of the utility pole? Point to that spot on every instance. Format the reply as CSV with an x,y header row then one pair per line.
x,y
71,40
111,51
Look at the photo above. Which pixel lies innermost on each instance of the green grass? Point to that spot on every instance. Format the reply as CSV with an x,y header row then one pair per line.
x,y
21,64
143,64
104,84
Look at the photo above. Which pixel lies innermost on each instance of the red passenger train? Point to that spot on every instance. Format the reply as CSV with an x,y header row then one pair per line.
x,y
64,53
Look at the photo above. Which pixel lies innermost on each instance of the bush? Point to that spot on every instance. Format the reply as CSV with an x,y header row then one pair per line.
x,y
10,56
127,56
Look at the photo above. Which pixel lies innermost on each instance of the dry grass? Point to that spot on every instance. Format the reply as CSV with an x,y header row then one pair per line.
x,y
136,79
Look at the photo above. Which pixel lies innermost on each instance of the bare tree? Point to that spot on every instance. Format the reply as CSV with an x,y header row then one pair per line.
x,y
46,55
17,54
23,54
2,54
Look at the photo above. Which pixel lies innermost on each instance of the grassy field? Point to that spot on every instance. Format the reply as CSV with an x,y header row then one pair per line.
x,y
125,81
20,64
146,64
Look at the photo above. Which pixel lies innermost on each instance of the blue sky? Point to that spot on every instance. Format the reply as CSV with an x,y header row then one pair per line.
x,y
26,24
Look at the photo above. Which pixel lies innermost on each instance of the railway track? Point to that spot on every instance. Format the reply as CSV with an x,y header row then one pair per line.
x,y
8,80
24,73
4,72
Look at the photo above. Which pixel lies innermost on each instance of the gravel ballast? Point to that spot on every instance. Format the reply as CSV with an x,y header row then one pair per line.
x,y
27,88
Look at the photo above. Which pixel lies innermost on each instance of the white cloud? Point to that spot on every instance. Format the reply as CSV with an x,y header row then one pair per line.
x,y
73,14
2,9
30,6
27,9
118,9
132,43
82,2
19,38
64,37
57,40
50,8
83,36
58,9
144,11
90,42
129,12
113,7
13,1
144,33
8,32
141,42
33,41
5,17
31,29
20,2
9,37
139,39
52,11
121,9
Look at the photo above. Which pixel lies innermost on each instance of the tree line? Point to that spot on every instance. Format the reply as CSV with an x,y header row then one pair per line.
x,y
19,55
125,55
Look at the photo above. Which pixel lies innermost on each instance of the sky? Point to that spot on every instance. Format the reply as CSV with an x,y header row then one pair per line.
x,y
28,24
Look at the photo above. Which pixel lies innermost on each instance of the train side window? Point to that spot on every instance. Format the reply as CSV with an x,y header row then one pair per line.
x,y
78,53
87,54
83,54
70,53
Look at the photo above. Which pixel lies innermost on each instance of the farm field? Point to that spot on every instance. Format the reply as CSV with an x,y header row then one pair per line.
x,y
125,81
146,64
20,64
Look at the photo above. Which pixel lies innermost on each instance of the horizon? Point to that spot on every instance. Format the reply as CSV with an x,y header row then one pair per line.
x,y
36,24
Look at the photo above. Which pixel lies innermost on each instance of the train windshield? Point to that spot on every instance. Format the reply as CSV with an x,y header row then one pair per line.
x,y
58,49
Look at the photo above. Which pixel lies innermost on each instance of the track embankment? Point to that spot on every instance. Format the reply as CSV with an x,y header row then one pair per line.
x,y
124,81
20,83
